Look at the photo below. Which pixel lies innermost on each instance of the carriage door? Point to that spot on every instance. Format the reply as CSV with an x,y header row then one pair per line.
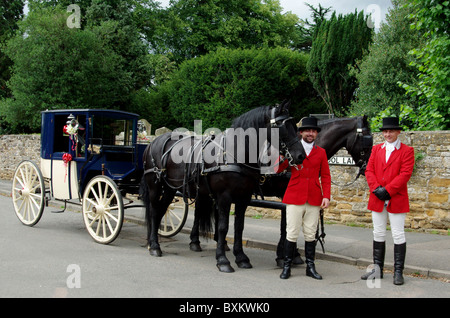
x,y
68,155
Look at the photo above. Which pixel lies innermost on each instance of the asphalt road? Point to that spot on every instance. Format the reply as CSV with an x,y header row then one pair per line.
x,y
58,258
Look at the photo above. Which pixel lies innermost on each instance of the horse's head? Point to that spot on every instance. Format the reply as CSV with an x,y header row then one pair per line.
x,y
290,146
360,146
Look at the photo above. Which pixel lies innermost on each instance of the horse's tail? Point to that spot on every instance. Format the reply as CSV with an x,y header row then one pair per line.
x,y
206,214
144,195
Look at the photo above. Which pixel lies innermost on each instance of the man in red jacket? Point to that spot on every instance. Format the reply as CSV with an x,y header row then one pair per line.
x,y
388,171
307,192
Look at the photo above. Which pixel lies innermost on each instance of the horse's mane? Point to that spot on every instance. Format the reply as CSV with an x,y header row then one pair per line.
x,y
330,121
255,118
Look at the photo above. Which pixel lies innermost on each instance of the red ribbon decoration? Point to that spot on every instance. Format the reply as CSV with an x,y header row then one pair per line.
x,y
67,157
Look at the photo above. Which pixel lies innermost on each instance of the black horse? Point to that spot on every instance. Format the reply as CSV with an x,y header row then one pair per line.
x,y
352,133
216,171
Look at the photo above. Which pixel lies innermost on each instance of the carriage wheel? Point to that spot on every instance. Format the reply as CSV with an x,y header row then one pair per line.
x,y
28,193
103,210
174,219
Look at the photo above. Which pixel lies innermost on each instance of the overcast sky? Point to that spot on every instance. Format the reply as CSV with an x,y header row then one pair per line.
x,y
299,8
379,8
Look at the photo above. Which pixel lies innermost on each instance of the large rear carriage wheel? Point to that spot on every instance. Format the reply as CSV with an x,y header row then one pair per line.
x,y
103,209
28,193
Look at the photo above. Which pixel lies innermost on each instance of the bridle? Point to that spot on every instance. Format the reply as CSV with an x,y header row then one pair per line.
x,y
366,142
280,123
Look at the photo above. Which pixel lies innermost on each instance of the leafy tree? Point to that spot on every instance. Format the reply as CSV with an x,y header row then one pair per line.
x,y
305,30
386,63
220,86
433,63
11,11
191,28
68,68
337,44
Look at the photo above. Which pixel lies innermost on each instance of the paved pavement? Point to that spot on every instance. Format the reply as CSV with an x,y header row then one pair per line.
x,y
427,255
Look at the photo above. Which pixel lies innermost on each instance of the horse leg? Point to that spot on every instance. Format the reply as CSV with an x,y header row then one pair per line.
x,y
223,264
153,244
242,260
216,218
157,210
151,191
194,245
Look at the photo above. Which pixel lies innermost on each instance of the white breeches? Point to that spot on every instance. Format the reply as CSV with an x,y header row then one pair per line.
x,y
397,222
301,217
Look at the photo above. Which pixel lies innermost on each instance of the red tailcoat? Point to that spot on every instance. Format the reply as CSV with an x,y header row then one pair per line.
x,y
304,185
393,176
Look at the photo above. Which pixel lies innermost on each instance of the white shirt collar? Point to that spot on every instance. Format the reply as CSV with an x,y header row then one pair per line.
x,y
308,147
395,144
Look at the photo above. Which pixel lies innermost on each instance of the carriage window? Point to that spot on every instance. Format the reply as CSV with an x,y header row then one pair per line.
x,y
61,142
76,134
113,132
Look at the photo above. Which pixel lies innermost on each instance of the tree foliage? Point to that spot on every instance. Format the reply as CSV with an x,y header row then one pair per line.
x,y
191,28
100,66
386,63
215,59
305,29
222,85
432,61
11,12
337,44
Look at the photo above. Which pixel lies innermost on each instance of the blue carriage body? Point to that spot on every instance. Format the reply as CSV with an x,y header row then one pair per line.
x,y
105,143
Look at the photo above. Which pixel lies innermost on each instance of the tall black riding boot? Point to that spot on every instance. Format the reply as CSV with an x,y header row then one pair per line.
x,y
310,254
289,249
399,263
379,250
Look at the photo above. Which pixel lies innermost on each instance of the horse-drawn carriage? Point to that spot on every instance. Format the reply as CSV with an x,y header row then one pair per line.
x,y
92,158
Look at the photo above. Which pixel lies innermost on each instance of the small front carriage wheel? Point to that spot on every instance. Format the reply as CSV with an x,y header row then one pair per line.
x,y
28,193
174,219
102,209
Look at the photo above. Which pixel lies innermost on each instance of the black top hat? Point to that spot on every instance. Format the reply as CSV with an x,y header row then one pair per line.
x,y
309,123
391,123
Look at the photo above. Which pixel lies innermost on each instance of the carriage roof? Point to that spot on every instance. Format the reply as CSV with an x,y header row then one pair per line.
x,y
91,111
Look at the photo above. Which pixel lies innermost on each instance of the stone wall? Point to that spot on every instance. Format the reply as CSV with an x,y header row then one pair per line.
x,y
14,149
428,187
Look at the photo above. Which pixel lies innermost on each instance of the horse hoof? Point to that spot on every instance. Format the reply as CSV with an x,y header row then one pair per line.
x,y
225,268
244,265
155,252
195,247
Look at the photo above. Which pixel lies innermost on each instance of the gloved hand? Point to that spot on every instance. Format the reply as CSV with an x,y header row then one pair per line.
x,y
382,193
